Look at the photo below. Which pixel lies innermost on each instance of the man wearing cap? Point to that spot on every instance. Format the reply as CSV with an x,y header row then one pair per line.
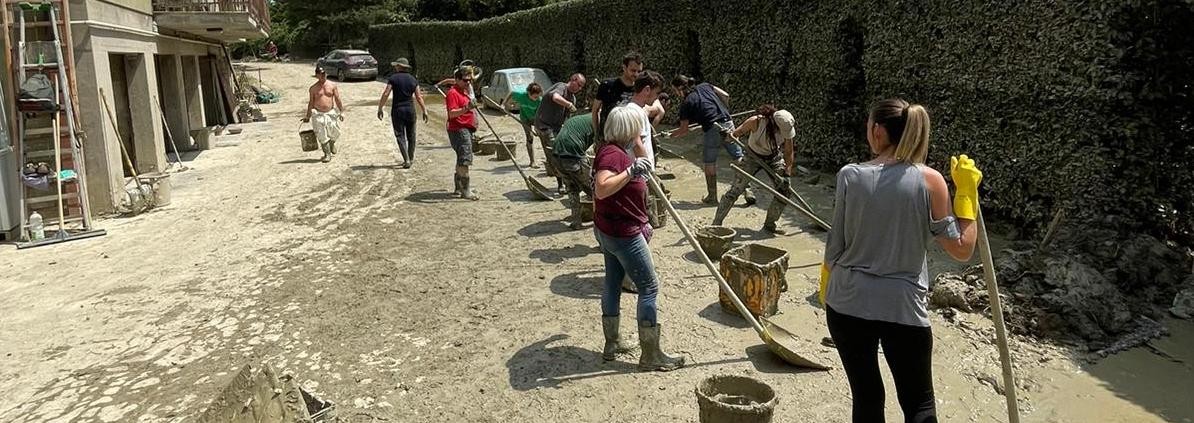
x,y
325,112
770,131
402,113
558,103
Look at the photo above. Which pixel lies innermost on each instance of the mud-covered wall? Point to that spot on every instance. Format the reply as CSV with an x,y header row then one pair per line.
x,y
1082,105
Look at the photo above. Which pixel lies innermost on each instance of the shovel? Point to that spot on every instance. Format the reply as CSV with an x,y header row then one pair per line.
x,y
770,171
1005,356
537,189
778,340
780,197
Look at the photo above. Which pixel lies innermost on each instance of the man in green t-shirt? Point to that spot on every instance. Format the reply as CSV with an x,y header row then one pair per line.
x,y
528,104
569,147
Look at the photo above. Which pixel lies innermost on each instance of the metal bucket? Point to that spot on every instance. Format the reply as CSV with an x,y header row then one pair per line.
x,y
160,184
735,399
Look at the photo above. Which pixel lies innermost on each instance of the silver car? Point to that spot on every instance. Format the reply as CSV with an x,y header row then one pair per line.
x,y
349,64
503,81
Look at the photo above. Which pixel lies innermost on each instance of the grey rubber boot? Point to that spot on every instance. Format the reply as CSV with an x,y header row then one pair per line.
x,y
723,209
531,155
456,180
711,186
332,146
614,344
652,358
773,212
327,152
576,220
467,192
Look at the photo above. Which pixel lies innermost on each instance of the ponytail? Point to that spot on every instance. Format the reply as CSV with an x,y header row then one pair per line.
x,y
907,128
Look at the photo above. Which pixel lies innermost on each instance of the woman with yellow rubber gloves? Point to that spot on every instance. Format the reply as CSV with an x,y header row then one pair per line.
x,y
887,213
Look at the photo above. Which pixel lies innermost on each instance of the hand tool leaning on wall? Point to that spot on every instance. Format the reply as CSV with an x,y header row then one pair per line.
x,y
777,339
537,189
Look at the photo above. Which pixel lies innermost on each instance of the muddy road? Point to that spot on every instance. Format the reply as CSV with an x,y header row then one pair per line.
x,y
380,291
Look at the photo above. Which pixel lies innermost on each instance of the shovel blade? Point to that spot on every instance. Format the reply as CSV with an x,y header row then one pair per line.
x,y
784,344
541,192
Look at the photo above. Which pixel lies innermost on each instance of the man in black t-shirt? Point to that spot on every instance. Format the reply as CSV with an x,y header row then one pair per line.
x,y
402,114
615,92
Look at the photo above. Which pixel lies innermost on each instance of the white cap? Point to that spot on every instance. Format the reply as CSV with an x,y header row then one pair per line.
x,y
786,123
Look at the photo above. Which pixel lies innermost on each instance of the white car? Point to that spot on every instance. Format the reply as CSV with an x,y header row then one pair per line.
x,y
503,81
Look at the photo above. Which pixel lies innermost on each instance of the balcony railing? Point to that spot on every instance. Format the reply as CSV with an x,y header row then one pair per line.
x,y
258,10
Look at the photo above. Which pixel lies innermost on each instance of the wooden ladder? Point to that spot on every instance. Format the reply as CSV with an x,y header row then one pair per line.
x,y
47,128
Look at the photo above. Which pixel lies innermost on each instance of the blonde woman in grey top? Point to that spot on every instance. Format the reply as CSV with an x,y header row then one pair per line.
x,y
887,214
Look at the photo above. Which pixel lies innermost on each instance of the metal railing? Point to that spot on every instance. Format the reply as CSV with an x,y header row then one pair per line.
x,y
258,10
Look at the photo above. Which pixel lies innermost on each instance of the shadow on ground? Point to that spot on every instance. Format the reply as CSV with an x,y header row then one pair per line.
x,y
558,255
586,285
714,313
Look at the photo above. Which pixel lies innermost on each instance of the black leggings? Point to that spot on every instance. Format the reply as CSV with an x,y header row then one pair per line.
x,y
909,354
403,120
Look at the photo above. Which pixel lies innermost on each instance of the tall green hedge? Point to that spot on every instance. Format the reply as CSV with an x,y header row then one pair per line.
x,y
1083,105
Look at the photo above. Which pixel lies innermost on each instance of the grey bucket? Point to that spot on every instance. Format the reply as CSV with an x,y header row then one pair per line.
x,y
735,399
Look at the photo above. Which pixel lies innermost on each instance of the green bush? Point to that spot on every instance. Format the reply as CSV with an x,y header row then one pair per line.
x,y
1077,105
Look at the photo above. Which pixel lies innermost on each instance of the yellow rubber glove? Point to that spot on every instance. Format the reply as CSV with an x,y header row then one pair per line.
x,y
966,178
824,288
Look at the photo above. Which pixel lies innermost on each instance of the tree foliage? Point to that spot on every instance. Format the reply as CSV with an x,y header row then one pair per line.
x,y
311,27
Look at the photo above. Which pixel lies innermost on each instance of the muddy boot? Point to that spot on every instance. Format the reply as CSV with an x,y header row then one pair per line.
x,y
576,220
327,152
456,179
466,192
652,358
711,186
332,146
531,155
723,209
773,229
613,341
749,195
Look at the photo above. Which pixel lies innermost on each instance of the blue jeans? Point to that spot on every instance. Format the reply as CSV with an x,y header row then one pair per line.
x,y
713,141
628,257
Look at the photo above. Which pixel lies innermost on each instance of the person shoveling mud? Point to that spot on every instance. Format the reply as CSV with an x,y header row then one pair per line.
x,y
461,126
874,278
623,233
771,133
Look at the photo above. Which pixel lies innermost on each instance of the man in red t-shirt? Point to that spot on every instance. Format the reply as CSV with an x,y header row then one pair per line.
x,y
461,125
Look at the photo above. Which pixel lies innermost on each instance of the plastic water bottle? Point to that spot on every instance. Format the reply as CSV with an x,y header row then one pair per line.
x,y
36,228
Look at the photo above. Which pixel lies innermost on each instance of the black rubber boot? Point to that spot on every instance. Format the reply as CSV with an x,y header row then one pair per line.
x,y
576,220
652,358
614,344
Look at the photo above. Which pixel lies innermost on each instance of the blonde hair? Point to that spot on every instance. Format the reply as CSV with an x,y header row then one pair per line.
x,y
907,128
623,124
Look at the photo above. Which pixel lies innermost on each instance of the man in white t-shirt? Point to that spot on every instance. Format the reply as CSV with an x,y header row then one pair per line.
x,y
647,87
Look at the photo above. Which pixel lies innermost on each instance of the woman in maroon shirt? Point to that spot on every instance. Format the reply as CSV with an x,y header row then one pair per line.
x,y
622,231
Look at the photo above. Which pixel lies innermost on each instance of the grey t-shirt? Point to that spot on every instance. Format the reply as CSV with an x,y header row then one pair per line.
x,y
550,114
882,229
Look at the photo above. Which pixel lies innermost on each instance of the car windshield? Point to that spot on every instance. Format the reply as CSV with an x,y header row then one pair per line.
x,y
521,79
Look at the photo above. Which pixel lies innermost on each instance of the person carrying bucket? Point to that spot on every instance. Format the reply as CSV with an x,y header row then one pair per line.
x,y
528,101
874,280
622,232
771,133
325,111
461,125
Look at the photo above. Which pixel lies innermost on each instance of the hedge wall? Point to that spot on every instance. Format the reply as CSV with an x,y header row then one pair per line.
x,y
1084,105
